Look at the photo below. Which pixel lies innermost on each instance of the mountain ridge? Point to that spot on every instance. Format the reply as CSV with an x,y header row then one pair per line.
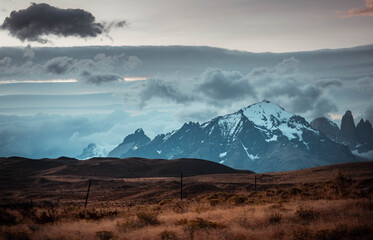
x,y
23,168
262,137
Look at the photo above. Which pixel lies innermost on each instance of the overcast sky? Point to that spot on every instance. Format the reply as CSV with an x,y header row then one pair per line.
x,y
249,25
76,72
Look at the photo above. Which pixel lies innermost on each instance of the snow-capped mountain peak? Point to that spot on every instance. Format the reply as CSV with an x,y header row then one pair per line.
x,y
261,137
266,114
274,121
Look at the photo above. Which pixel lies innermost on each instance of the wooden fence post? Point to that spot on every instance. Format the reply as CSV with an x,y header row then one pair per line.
x,y
181,187
86,198
255,183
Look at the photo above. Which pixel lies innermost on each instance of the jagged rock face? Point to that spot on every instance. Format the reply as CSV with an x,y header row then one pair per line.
x,y
347,133
364,134
325,126
131,142
262,137
364,131
92,150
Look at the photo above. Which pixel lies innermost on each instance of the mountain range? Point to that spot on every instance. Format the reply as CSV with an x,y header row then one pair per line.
x,y
358,138
262,137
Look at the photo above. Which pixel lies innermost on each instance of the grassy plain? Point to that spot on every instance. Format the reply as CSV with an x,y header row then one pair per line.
x,y
333,202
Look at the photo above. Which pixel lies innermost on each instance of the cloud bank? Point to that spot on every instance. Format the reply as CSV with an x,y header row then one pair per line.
x,y
96,70
40,20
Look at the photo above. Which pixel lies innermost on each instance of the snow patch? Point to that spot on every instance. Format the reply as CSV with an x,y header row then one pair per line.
x,y
229,124
169,135
368,155
272,139
251,157
221,162
221,155
268,117
265,114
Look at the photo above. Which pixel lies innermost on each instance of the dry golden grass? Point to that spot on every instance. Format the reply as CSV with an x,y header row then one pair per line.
x,y
308,219
334,209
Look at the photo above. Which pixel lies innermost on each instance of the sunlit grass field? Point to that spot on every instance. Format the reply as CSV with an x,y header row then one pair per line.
x,y
339,208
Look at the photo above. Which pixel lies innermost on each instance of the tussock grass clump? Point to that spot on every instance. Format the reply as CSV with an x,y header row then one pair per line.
x,y
141,220
44,217
199,224
219,198
306,215
95,215
275,218
148,218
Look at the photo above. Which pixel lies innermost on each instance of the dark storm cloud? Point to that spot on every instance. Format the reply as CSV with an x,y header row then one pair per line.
x,y
40,20
217,85
98,78
163,89
287,85
305,98
214,87
283,83
99,69
212,77
59,65
187,62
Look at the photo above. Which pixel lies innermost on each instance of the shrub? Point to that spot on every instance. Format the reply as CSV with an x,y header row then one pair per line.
x,y
306,215
275,218
148,218
190,226
200,223
92,214
45,217
295,191
213,202
238,200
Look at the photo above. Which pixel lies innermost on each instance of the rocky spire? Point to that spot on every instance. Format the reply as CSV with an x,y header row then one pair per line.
x,y
347,133
364,132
